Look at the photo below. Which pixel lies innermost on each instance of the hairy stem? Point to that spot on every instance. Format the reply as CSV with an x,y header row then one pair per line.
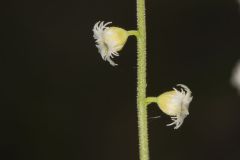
x,y
141,82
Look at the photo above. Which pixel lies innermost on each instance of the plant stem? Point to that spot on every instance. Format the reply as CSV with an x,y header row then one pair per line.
x,y
141,82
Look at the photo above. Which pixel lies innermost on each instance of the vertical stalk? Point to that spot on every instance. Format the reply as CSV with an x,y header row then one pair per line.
x,y
141,82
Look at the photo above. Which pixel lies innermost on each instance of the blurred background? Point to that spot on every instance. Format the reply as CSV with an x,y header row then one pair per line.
x,y
61,101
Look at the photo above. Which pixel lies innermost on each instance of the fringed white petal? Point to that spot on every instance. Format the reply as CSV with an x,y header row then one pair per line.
x,y
103,48
183,98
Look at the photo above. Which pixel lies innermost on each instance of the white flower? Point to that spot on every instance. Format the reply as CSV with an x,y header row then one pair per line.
x,y
109,40
235,79
175,104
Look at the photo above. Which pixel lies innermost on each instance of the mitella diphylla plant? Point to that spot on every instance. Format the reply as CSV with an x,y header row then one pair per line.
x,y
110,40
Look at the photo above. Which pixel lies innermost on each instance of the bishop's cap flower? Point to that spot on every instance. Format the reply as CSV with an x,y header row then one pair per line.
x,y
109,40
175,103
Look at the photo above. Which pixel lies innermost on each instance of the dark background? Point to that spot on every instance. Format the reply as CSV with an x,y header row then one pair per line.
x,y
61,101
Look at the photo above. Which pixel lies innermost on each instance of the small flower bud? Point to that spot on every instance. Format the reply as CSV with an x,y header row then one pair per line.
x,y
115,38
109,40
175,104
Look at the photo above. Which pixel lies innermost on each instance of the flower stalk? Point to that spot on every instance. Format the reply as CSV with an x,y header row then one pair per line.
x,y
150,100
175,103
141,82
133,33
